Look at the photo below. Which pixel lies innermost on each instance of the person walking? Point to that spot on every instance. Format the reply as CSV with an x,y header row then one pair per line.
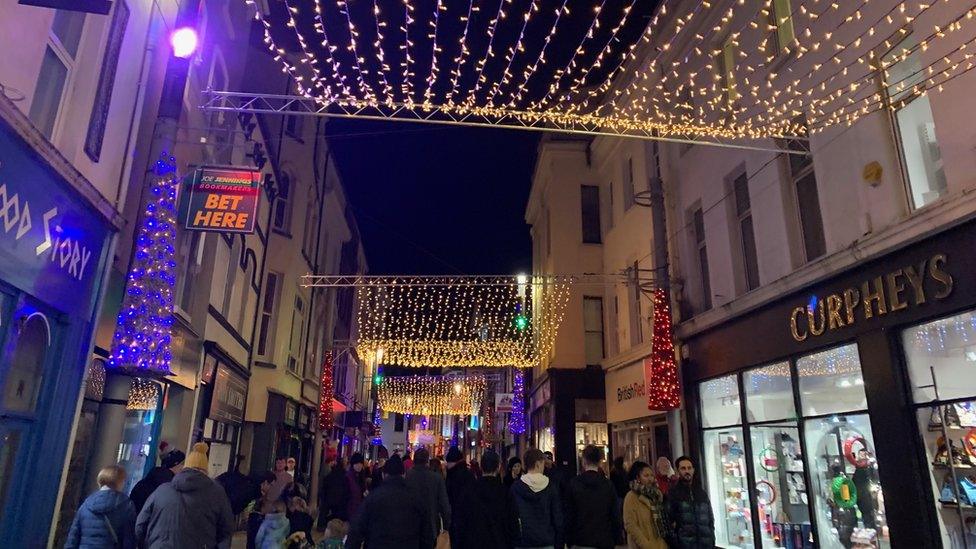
x,y
240,489
460,492
255,514
336,494
644,519
171,464
280,486
376,472
536,511
299,519
491,497
357,485
688,510
430,486
274,529
512,471
189,511
591,505
107,518
392,516
618,476
664,473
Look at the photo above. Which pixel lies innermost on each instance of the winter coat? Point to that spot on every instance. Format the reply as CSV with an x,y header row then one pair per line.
x,y
106,519
690,513
335,494
392,517
536,512
273,531
145,487
239,488
642,532
490,530
432,490
355,497
464,508
300,522
190,511
591,511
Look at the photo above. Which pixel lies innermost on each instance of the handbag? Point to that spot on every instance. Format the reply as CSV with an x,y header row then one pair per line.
x,y
443,540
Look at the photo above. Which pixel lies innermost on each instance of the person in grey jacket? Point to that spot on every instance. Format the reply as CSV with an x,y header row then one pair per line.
x,y
431,489
190,511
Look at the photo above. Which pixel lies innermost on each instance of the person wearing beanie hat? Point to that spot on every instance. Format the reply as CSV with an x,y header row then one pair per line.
x,y
392,516
172,462
461,485
356,481
189,511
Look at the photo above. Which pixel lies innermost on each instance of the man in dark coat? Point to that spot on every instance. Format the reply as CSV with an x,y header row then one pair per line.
x,y
240,489
356,482
536,511
106,518
392,516
591,505
430,487
171,464
189,511
687,508
460,492
334,495
491,497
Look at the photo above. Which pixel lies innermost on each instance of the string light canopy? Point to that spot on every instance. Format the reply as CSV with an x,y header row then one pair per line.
x,y
432,395
460,321
708,71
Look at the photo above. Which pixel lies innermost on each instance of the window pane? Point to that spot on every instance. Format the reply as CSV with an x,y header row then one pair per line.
x,y
47,95
769,393
948,346
720,402
26,368
728,488
67,27
706,283
811,221
741,189
844,481
749,254
594,348
593,314
629,184
831,382
923,158
699,222
780,485
590,206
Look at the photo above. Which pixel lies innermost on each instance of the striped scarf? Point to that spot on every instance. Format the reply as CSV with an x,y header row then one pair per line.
x,y
656,499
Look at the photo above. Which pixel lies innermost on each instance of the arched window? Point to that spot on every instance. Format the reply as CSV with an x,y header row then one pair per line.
x,y
26,373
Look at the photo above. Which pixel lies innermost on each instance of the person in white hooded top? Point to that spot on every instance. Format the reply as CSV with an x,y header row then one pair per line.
x,y
537,516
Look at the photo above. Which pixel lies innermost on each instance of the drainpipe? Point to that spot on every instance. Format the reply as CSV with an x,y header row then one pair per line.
x,y
317,441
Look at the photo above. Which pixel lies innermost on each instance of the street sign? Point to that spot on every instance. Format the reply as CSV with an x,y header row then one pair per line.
x,y
223,200
101,7
503,402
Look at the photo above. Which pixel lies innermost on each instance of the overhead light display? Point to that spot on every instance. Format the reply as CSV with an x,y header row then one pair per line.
x,y
432,395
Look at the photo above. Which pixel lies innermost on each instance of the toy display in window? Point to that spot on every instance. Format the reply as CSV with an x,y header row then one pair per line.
x,y
865,479
844,504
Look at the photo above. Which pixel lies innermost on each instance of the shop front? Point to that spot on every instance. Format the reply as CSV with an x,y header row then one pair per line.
x,y
852,421
55,232
567,413
288,432
636,433
222,407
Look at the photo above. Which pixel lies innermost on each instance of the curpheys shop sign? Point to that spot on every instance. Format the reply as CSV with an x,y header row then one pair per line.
x,y
223,200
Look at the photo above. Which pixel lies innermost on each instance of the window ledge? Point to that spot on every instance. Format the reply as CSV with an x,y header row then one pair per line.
x,y
268,365
281,232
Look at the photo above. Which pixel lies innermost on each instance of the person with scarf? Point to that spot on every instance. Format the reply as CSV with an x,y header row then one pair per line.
x,y
644,519
664,473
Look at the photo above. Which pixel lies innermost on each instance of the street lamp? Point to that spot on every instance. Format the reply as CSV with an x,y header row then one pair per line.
x,y
184,41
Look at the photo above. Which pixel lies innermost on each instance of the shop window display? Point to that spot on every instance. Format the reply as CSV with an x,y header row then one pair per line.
x,y
769,393
780,487
728,487
720,402
830,382
941,356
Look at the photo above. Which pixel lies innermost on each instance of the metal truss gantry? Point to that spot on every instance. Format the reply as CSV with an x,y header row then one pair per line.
x,y
297,105
642,277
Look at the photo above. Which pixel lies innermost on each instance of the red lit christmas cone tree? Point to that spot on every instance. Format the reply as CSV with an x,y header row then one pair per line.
x,y
664,387
325,398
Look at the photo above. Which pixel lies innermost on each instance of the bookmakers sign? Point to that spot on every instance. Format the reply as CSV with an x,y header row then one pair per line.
x,y
223,200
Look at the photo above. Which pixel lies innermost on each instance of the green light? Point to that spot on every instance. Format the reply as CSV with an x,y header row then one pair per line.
x,y
377,379
521,322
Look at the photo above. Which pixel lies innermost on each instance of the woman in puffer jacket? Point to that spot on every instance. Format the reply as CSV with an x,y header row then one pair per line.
x,y
107,518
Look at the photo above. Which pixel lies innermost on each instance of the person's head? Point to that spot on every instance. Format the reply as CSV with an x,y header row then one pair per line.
x,y
421,457
641,472
336,529
173,460
112,476
278,506
356,461
280,465
663,467
265,480
549,459
514,467
618,463
453,457
686,468
198,457
393,467
380,462
490,463
535,461
290,464
437,465
592,457
297,505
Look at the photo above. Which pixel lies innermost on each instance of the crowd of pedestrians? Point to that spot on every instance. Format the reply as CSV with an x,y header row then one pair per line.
x,y
409,501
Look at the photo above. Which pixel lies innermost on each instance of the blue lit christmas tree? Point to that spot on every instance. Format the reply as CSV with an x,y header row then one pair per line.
x,y
143,330
516,420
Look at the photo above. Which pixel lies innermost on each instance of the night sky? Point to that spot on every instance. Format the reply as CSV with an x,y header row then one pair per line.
x,y
433,199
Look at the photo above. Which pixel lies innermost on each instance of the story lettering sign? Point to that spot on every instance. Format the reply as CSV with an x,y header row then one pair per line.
x,y
50,244
223,200
894,291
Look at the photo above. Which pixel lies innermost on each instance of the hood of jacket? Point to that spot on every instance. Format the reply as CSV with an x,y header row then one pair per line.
x,y
536,482
104,502
190,480
592,479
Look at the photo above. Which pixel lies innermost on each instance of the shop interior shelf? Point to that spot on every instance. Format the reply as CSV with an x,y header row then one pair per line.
x,y
951,505
944,466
